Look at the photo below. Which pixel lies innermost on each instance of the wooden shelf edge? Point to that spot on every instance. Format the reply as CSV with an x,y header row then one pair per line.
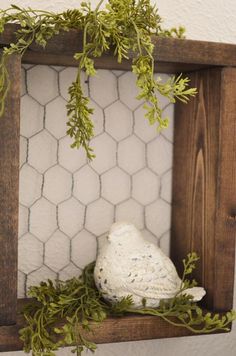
x,y
119,329
171,55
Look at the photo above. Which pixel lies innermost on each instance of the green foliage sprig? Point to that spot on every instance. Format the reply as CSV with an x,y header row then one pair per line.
x,y
124,27
70,309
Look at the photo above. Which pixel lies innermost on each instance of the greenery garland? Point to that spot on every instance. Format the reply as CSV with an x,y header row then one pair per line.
x,y
76,305
123,26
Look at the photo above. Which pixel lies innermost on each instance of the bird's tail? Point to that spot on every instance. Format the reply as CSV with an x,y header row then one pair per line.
x,y
196,292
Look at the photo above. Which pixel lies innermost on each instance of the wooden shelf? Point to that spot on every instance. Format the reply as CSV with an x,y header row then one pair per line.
x,y
203,209
119,329
171,55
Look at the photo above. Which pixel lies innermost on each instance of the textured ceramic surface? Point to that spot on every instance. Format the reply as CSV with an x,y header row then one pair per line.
x,y
128,264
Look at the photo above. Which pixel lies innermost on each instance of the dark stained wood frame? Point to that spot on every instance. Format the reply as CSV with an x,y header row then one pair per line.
x,y
204,179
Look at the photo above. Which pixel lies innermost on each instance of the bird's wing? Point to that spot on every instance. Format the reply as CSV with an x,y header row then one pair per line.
x,y
150,274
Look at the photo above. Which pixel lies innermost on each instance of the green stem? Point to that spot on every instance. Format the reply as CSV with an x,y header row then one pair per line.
x,y
98,7
195,331
138,37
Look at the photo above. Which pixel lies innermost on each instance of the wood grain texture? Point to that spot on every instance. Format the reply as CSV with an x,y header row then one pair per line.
x,y
171,55
204,194
9,181
225,228
128,328
105,62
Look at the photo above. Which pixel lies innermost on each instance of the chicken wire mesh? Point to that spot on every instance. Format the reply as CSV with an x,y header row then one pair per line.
x,y
66,203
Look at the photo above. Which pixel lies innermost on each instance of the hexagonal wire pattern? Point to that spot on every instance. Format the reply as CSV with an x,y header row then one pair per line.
x,y
66,204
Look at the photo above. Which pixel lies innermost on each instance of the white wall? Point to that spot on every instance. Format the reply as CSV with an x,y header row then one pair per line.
x,y
205,20
213,20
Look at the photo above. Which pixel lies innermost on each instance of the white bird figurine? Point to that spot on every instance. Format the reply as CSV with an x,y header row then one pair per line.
x,y
129,265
